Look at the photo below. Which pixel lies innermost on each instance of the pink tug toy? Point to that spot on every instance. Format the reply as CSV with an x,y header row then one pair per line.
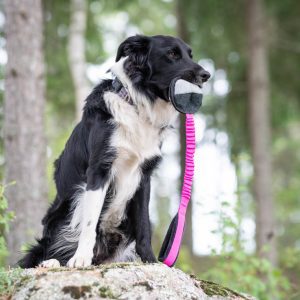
x,y
186,98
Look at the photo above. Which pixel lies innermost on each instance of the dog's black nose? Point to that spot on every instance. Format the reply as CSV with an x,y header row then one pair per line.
x,y
204,75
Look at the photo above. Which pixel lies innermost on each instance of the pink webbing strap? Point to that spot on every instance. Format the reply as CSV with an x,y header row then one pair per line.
x,y
186,188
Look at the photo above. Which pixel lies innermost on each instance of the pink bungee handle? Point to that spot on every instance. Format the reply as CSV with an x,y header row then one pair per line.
x,y
186,190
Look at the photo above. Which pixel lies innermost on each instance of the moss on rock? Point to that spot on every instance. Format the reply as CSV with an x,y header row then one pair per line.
x,y
106,292
117,281
77,292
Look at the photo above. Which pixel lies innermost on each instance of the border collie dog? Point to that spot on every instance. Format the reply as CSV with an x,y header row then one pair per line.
x,y
101,211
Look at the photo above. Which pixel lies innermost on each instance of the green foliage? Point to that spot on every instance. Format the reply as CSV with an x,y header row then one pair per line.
x,y
57,141
9,280
5,218
184,261
59,88
245,272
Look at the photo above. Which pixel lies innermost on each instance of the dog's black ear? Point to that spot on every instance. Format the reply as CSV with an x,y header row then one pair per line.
x,y
135,46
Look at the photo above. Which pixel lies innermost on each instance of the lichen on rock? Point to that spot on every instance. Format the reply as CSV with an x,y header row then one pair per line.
x,y
118,281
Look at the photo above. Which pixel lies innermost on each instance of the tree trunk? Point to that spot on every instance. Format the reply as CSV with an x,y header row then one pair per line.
x,y
182,32
24,138
76,53
260,129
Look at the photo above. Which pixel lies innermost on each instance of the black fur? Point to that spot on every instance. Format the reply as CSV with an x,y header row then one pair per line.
x,y
87,158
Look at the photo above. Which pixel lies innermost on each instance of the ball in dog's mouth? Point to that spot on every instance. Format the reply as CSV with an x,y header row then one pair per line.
x,y
185,96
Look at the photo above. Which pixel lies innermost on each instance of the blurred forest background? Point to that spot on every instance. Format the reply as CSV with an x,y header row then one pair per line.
x,y
244,221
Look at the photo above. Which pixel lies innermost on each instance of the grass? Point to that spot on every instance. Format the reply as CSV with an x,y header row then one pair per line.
x,y
10,280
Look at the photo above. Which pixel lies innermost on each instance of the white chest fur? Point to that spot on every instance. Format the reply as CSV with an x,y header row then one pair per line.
x,y
138,136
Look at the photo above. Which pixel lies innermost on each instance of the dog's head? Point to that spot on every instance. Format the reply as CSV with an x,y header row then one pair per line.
x,y
153,62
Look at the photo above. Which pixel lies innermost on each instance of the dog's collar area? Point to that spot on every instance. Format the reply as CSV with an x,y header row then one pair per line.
x,y
121,90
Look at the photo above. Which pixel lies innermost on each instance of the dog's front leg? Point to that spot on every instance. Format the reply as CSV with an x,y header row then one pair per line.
x,y
92,206
142,223
93,200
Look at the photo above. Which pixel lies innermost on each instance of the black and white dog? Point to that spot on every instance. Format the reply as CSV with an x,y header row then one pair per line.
x,y
101,211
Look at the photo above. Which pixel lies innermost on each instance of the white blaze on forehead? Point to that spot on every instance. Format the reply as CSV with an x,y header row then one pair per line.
x,y
185,87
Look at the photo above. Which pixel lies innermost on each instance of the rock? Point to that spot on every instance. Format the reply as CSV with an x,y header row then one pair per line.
x,y
117,281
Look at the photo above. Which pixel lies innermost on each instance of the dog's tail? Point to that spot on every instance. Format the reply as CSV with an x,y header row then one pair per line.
x,y
34,256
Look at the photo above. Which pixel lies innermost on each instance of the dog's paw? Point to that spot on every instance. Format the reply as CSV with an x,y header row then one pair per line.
x,y
50,263
148,257
79,262
151,259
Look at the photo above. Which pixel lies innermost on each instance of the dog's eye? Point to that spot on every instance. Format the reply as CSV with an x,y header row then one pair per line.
x,y
173,54
190,53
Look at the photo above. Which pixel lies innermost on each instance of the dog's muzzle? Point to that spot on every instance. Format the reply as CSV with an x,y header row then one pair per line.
x,y
185,96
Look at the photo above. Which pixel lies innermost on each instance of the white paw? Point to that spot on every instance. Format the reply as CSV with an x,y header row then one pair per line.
x,y
50,263
79,262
